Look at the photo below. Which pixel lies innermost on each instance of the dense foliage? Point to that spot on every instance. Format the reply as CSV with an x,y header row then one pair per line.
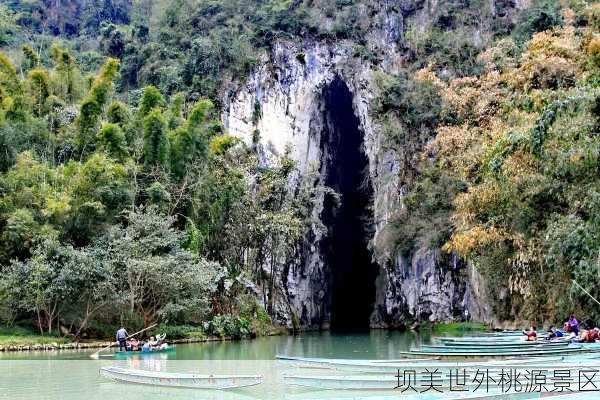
x,y
510,176
194,46
123,201
112,212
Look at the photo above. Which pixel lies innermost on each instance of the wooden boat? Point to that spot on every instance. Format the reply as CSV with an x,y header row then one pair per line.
x,y
389,365
379,368
333,394
504,343
326,363
377,382
513,347
571,396
483,339
493,353
181,380
118,354
355,382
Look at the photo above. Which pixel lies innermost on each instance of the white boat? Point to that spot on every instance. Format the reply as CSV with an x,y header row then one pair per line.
x,y
477,354
370,382
396,395
390,382
390,365
376,368
327,363
181,380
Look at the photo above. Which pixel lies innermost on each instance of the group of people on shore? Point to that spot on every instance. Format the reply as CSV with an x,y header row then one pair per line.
x,y
132,344
571,330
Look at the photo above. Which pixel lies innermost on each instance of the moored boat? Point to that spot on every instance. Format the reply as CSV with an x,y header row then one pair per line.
x,y
493,353
490,343
326,363
169,349
515,347
388,382
379,368
395,395
182,380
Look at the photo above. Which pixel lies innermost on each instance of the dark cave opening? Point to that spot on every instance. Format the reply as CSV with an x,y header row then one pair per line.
x,y
346,247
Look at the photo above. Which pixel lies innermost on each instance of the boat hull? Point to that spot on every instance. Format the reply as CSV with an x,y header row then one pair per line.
x,y
180,380
493,354
169,349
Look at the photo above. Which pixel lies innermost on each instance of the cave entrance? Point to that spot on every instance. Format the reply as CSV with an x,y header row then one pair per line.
x,y
346,247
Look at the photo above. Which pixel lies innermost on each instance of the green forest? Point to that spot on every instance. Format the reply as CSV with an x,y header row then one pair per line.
x,y
508,175
123,200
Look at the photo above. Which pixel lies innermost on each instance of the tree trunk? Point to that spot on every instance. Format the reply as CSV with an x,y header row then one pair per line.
x,y
39,321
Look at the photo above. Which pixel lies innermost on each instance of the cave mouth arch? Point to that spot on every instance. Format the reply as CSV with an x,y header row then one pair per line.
x,y
345,249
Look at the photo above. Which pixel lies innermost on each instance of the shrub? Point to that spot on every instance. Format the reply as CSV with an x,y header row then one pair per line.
x,y
229,326
179,331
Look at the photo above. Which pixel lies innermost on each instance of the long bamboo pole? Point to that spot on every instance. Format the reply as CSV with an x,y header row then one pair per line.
x,y
585,291
95,355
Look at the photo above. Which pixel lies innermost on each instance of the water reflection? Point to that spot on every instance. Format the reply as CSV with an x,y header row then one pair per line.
x,y
72,375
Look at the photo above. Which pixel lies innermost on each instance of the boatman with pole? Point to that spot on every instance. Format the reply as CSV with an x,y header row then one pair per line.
x,y
122,338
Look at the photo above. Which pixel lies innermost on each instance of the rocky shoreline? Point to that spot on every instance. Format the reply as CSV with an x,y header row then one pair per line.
x,y
96,345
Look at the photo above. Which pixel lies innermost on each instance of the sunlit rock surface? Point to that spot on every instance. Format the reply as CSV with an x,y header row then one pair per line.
x,y
281,106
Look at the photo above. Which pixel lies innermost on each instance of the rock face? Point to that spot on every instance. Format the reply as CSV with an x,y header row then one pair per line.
x,y
282,106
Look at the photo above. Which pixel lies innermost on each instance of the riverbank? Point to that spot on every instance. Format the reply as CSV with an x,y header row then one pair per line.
x,y
55,346
20,339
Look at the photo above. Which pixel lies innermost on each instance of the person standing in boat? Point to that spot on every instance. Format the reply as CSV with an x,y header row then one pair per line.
x,y
122,338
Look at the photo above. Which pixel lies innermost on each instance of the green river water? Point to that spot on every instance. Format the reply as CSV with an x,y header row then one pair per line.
x,y
71,375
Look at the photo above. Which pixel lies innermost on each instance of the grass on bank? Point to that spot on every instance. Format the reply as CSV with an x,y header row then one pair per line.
x,y
457,327
21,336
453,328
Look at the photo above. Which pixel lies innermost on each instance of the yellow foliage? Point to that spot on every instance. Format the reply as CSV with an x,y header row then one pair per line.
x,y
57,206
593,46
465,242
593,15
500,56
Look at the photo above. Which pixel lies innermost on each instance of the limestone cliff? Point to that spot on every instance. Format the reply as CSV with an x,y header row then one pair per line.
x,y
283,104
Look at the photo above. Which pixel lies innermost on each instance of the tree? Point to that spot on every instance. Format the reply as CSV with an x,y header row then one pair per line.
x,y
90,286
31,59
37,285
189,142
151,99
160,279
39,86
112,138
93,105
118,113
112,40
68,77
156,143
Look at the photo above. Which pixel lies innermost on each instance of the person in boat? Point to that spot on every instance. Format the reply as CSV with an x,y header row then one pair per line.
x,y
160,342
554,333
121,337
573,325
567,331
593,335
589,324
590,335
531,334
153,343
134,345
146,347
